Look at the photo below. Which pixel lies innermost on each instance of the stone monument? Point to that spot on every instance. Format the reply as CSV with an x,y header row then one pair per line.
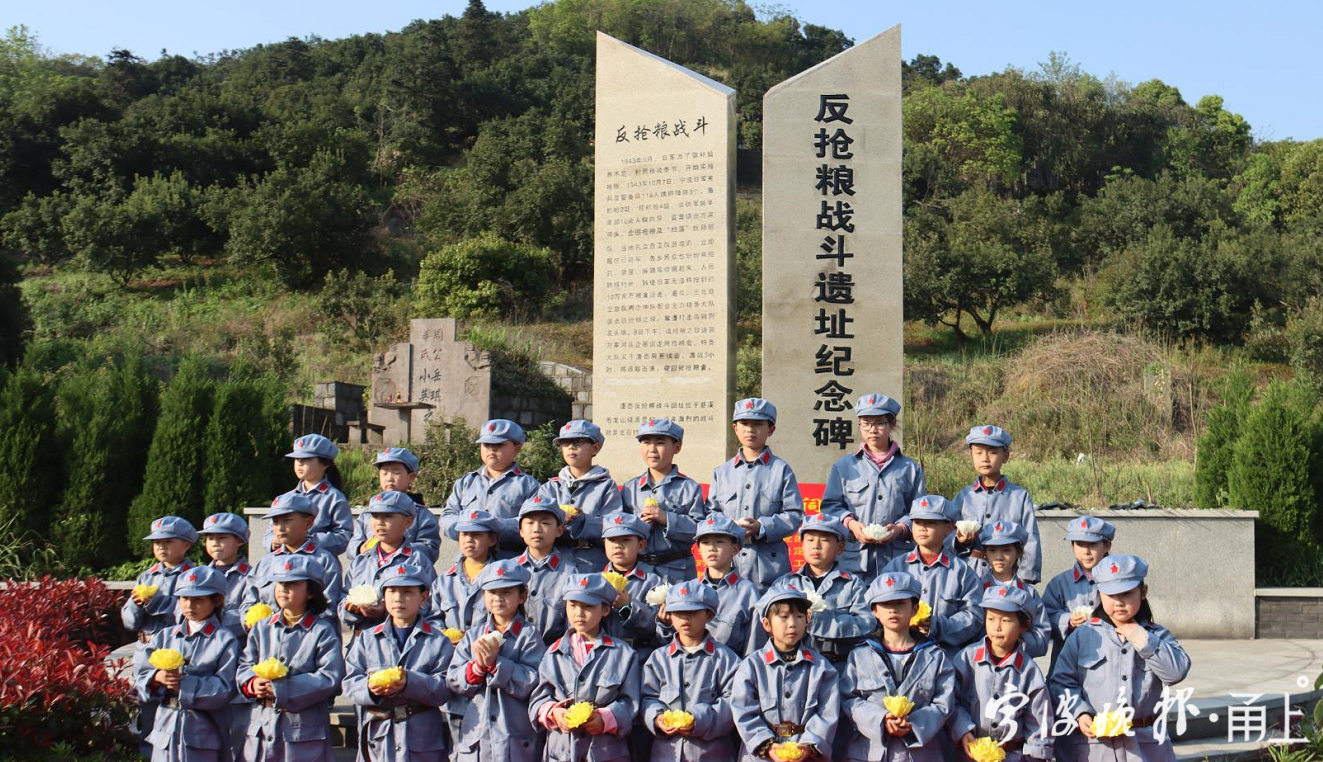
x,y
664,243
832,295
434,375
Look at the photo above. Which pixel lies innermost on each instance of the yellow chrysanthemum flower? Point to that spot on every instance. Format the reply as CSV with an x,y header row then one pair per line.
x,y
578,713
788,751
166,658
270,669
256,614
145,592
924,613
898,706
454,635
1111,724
385,678
570,511
617,580
370,544
986,750
651,503
677,718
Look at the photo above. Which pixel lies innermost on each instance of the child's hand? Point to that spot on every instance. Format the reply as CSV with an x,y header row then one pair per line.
x,y
965,741
964,538
139,599
1077,619
485,651
662,616
653,515
558,713
168,679
1086,725
1133,633
925,627
262,688
896,726
622,599
595,726
750,527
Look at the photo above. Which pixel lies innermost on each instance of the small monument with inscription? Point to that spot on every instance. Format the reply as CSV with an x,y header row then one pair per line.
x,y
832,290
664,243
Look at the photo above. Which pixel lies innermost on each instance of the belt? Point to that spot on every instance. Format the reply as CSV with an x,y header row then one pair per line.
x,y
268,703
398,713
1144,722
584,544
1011,746
170,701
787,729
656,559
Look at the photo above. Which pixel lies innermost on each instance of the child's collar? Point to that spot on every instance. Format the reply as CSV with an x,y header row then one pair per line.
x,y
792,655
997,486
707,645
984,654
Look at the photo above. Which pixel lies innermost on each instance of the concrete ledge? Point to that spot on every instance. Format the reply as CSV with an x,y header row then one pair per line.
x,y
1201,564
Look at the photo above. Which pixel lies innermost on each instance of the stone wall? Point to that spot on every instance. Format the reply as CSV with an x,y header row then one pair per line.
x,y
527,411
577,381
1201,564
1294,613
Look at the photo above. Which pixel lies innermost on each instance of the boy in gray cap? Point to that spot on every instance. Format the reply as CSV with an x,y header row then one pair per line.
x,y
758,491
584,491
670,502
498,487
991,498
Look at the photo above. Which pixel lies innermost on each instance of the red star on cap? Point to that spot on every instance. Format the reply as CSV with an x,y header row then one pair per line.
x,y
212,519
619,519
891,582
566,427
871,399
192,578
652,423
500,572
491,427
748,405
792,587
924,503
998,527
1084,523
1002,592
987,429
1115,569
537,499
583,582
473,515
711,521
275,500
684,591
400,570
289,566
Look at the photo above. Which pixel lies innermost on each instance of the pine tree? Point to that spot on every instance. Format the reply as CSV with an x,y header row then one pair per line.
x,y
238,449
105,419
175,480
31,460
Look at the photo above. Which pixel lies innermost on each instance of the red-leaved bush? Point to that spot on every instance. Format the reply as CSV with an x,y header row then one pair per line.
x,y
55,683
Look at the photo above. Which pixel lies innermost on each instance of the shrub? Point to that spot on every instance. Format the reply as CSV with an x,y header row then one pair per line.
x,y
30,456
1271,471
447,453
175,478
106,417
55,684
15,323
484,277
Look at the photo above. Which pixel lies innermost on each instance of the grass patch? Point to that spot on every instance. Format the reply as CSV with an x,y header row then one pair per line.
x,y
1091,483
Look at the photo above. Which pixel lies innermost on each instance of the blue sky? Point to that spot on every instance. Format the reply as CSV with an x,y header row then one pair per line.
x,y
1261,57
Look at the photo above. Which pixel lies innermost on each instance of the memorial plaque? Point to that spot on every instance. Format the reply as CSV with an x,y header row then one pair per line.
x,y
451,376
832,293
664,243
391,373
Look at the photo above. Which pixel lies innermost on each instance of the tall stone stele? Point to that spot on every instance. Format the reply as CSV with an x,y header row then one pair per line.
x,y
832,292
664,243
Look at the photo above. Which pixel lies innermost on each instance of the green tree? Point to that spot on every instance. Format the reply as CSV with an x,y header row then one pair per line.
x,y
1216,447
106,416
484,277
239,447
175,477
31,459
977,256
1272,471
302,222
15,323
